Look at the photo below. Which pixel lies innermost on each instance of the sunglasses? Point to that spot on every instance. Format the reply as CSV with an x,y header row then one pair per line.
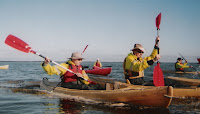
x,y
80,59
139,51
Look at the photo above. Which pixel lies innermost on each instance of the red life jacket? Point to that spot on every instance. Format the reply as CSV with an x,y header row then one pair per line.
x,y
70,77
181,69
98,64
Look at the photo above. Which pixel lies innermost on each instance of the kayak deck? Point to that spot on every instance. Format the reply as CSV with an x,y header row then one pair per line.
x,y
186,81
179,72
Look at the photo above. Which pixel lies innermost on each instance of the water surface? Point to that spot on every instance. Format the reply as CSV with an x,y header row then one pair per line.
x,y
19,85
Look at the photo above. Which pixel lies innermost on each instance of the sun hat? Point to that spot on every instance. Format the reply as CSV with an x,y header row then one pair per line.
x,y
138,46
76,55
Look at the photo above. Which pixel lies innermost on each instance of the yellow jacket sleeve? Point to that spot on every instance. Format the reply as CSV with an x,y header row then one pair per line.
x,y
178,65
51,70
86,77
100,64
153,55
94,64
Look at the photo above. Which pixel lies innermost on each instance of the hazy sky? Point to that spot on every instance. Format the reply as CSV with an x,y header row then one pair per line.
x,y
56,28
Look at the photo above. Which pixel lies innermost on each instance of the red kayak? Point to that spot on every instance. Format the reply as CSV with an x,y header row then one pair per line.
x,y
99,71
198,60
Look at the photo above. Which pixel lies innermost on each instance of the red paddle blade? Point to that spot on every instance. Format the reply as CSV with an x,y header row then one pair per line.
x,y
158,79
17,43
158,19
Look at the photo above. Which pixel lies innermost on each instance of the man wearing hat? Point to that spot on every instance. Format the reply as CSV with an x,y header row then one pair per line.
x,y
69,80
179,66
134,64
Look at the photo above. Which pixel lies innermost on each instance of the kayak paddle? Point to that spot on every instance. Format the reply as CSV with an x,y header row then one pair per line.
x,y
158,78
20,45
158,19
84,50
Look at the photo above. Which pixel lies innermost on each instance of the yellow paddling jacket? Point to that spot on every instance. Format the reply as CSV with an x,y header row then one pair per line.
x,y
180,66
51,70
134,67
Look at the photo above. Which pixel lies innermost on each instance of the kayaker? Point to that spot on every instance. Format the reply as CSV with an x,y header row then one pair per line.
x,y
134,64
97,64
179,66
70,80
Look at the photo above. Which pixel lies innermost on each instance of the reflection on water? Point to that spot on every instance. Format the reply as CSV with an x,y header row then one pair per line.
x,y
73,107
191,106
70,107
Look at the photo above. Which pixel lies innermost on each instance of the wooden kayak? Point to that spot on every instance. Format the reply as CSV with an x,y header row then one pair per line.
x,y
186,93
186,81
148,97
100,71
4,67
179,72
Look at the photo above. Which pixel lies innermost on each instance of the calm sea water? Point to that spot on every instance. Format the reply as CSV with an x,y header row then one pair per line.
x,y
19,84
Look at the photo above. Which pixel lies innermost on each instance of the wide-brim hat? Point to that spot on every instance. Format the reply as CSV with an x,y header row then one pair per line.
x,y
138,46
76,55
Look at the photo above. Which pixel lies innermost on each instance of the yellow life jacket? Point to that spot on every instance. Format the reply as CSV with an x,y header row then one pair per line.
x,y
130,73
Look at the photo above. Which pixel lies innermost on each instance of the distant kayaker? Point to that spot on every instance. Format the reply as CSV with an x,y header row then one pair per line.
x,y
134,64
70,80
179,66
97,64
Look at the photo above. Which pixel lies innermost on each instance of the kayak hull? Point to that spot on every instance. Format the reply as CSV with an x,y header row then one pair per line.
x,y
103,71
150,97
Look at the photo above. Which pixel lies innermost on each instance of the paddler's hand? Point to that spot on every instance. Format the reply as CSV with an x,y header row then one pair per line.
x,y
190,66
157,57
79,75
46,60
157,40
